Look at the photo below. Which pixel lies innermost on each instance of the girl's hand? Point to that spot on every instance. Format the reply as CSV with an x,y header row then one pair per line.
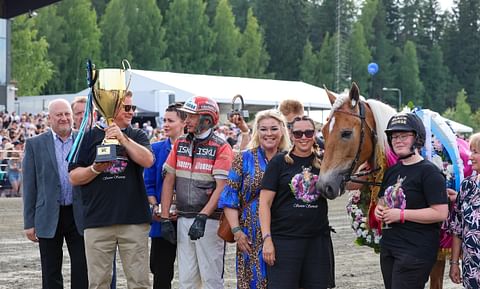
x,y
268,251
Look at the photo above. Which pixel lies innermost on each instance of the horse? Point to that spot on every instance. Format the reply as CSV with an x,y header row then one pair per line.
x,y
354,135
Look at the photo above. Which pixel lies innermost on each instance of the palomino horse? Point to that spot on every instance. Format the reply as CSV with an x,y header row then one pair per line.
x,y
354,135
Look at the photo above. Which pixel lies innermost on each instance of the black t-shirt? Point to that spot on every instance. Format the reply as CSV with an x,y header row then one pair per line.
x,y
423,185
298,210
117,196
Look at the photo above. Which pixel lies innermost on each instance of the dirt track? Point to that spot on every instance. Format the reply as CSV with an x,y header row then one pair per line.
x,y
356,267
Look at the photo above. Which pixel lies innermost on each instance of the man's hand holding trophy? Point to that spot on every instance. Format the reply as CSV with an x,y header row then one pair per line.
x,y
109,88
109,94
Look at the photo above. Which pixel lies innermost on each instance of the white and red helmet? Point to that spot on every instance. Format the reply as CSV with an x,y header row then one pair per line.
x,y
203,106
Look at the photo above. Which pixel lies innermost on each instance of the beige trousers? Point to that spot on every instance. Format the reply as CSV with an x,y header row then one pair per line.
x,y
132,242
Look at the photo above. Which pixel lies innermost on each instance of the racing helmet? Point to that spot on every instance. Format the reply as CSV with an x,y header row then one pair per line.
x,y
406,122
203,106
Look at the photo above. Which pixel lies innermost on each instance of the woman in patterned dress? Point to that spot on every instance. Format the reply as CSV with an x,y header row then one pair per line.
x,y
466,225
239,199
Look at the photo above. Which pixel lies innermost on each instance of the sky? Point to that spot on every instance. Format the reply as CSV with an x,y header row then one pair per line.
x,y
446,4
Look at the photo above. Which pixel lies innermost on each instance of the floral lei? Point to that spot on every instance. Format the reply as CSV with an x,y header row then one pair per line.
x,y
360,205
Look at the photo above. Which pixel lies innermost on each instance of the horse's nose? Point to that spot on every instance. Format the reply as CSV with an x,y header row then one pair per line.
x,y
330,192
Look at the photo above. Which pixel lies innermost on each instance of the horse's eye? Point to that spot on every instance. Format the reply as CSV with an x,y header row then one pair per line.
x,y
346,134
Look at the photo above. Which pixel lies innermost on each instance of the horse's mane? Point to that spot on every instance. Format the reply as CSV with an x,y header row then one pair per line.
x,y
382,114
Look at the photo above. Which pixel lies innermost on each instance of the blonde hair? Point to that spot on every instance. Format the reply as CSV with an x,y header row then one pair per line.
x,y
316,162
474,141
264,114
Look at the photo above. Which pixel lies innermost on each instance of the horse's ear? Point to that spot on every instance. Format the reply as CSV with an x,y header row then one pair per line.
x,y
354,95
330,95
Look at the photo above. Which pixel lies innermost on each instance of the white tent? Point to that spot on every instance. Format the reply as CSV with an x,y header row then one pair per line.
x,y
458,127
154,90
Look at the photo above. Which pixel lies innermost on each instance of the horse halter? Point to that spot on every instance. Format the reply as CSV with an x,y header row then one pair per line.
x,y
347,176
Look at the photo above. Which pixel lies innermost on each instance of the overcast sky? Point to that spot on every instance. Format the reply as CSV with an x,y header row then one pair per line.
x,y
446,4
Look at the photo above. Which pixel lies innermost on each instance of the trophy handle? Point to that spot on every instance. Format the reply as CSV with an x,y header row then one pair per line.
x,y
126,66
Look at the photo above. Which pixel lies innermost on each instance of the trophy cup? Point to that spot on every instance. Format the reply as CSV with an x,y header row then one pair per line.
x,y
109,94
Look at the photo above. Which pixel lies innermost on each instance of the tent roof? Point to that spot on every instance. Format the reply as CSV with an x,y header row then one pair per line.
x,y
223,88
458,127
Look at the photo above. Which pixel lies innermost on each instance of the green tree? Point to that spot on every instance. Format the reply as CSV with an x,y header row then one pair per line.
x,y
31,70
308,66
462,111
367,17
285,27
467,63
326,62
253,53
360,57
115,34
240,10
189,37
50,26
383,53
393,20
146,38
435,79
409,78
227,42
83,36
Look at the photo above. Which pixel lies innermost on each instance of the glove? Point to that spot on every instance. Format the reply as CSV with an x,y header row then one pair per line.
x,y
198,227
168,231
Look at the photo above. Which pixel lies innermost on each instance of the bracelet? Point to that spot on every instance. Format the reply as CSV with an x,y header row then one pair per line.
x,y
93,170
236,229
454,262
266,236
402,216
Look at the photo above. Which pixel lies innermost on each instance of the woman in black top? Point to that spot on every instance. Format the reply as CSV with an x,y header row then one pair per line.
x,y
415,199
293,216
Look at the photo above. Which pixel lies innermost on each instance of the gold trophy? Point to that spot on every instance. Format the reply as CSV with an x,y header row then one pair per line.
x,y
109,94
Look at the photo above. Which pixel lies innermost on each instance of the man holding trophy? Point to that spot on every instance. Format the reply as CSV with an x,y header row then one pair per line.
x,y
109,168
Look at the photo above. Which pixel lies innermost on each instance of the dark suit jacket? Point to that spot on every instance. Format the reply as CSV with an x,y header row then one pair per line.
x,y
42,189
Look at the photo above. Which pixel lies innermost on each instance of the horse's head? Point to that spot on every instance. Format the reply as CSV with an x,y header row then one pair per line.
x,y
349,141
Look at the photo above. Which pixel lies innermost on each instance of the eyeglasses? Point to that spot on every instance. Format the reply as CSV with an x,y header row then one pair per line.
x,y
401,137
299,133
128,107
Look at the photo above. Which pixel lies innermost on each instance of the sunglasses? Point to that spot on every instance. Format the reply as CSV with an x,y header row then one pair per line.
x,y
298,133
128,107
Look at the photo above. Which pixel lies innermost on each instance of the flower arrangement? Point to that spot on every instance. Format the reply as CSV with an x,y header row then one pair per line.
x,y
358,208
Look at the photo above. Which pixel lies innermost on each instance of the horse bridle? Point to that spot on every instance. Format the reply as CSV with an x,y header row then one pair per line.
x,y
347,176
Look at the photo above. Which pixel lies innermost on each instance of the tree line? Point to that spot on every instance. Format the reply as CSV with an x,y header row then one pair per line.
x,y
429,54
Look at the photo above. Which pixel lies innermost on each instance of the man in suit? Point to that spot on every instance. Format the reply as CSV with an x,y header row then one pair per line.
x,y
52,212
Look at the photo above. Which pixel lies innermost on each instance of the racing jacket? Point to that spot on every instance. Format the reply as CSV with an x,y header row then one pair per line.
x,y
196,164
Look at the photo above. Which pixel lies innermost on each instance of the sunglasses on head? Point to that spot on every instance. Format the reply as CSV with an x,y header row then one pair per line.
x,y
299,133
128,107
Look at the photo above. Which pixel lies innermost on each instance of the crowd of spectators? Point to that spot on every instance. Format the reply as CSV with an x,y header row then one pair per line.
x,y
15,129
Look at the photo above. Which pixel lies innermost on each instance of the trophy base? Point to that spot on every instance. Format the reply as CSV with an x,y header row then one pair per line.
x,y
106,153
